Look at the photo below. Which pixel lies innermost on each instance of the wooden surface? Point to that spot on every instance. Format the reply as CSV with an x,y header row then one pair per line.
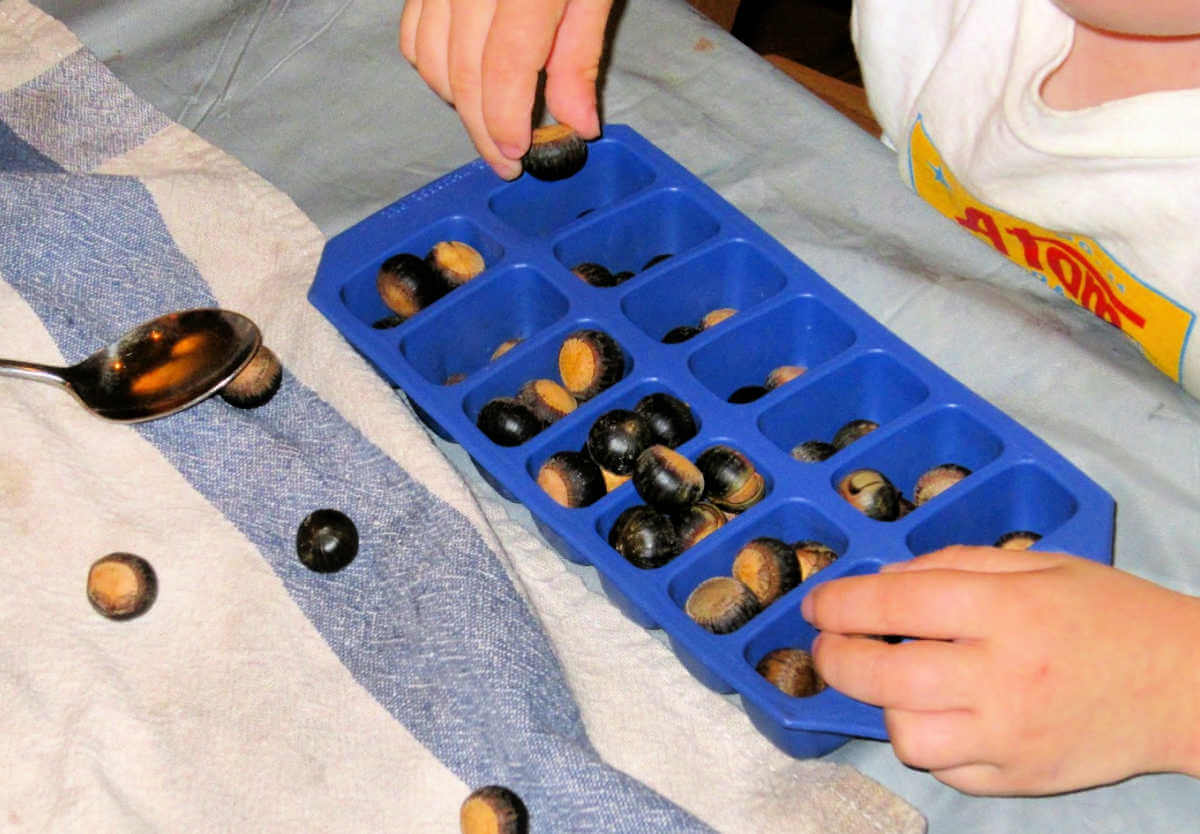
x,y
721,11
849,99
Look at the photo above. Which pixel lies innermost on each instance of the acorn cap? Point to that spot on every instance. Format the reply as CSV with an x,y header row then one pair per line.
x,y
714,317
791,671
256,383
933,482
548,400
555,152
768,567
1018,540
696,521
121,586
722,604
812,556
572,479
505,346
455,261
588,362
813,451
783,375
407,284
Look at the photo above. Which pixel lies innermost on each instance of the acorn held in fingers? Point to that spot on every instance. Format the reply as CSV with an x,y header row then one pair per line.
x,y
493,809
121,586
933,482
696,521
556,152
730,479
645,536
666,479
588,362
812,556
256,383
670,418
768,567
508,422
871,493
548,400
791,671
722,604
572,479
616,439
456,262
1017,540
408,284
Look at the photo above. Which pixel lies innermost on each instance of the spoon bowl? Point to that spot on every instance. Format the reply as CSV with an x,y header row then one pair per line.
x,y
158,368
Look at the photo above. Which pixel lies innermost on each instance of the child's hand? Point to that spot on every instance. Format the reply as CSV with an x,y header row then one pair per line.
x,y
484,56
1038,672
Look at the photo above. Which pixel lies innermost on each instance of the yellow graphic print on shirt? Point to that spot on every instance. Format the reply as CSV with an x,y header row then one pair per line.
x,y
1076,267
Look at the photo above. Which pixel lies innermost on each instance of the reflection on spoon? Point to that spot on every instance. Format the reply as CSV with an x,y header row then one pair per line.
x,y
156,369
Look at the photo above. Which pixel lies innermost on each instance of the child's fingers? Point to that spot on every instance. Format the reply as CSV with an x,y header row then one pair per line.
x,y
932,740
926,675
409,19
516,51
433,35
938,604
978,778
981,559
574,65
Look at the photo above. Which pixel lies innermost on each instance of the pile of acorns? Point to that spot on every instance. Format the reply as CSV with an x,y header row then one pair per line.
x,y
615,441
815,451
871,493
686,331
764,569
409,283
685,501
589,361
598,275
778,376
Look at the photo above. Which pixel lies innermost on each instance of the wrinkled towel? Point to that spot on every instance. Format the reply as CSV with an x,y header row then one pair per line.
x,y
256,694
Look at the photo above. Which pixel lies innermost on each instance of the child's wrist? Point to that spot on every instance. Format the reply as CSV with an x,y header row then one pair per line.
x,y
1182,740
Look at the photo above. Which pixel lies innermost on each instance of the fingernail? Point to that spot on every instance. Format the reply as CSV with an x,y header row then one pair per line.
x,y
511,151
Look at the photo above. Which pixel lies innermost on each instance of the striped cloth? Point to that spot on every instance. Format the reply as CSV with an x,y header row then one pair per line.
x,y
255,695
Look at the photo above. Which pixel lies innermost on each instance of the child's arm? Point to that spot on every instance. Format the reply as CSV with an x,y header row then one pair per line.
x,y
484,56
1039,672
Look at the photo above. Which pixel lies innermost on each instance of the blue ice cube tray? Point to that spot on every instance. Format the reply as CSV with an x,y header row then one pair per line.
x,y
630,203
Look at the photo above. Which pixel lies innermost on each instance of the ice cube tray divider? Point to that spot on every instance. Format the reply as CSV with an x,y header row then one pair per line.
x,y
787,314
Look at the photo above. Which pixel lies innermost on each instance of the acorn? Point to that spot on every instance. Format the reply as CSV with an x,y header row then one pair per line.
x,y
454,379
1017,540
456,262
935,481
696,521
121,586
326,541
783,375
722,604
813,451
408,284
670,418
768,567
747,394
622,276
714,317
852,431
493,809
679,334
548,400
657,259
507,421
666,479
572,479
791,671
871,493
644,536
906,507
388,322
812,556
616,439
556,152
504,347
256,383
588,362
730,479
595,274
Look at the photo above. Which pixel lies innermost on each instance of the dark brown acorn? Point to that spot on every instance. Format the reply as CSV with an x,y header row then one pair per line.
x,y
679,334
572,479
871,493
730,479
714,317
852,431
326,541
493,809
933,482
622,276
783,375
616,439
256,383
507,421
595,274
555,153
456,262
768,567
645,537
588,362
696,521
121,586
747,394
791,671
722,604
1017,540
812,556
666,479
657,259
671,420
813,451
408,284
548,400
505,346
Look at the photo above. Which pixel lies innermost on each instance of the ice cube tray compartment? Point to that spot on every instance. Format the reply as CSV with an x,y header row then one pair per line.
x,y
630,205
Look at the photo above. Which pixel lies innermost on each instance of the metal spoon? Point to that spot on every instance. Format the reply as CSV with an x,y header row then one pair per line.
x,y
157,368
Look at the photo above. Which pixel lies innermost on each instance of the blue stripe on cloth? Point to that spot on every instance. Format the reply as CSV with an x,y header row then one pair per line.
x,y
425,618
18,155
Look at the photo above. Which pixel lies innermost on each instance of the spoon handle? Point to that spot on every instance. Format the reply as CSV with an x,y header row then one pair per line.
x,y
32,370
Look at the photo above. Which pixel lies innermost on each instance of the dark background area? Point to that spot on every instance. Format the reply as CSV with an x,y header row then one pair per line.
x,y
815,33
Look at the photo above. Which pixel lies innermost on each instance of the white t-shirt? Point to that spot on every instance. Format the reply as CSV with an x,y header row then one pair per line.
x,y
1101,204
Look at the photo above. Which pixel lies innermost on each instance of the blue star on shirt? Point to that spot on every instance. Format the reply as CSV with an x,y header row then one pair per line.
x,y
939,175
